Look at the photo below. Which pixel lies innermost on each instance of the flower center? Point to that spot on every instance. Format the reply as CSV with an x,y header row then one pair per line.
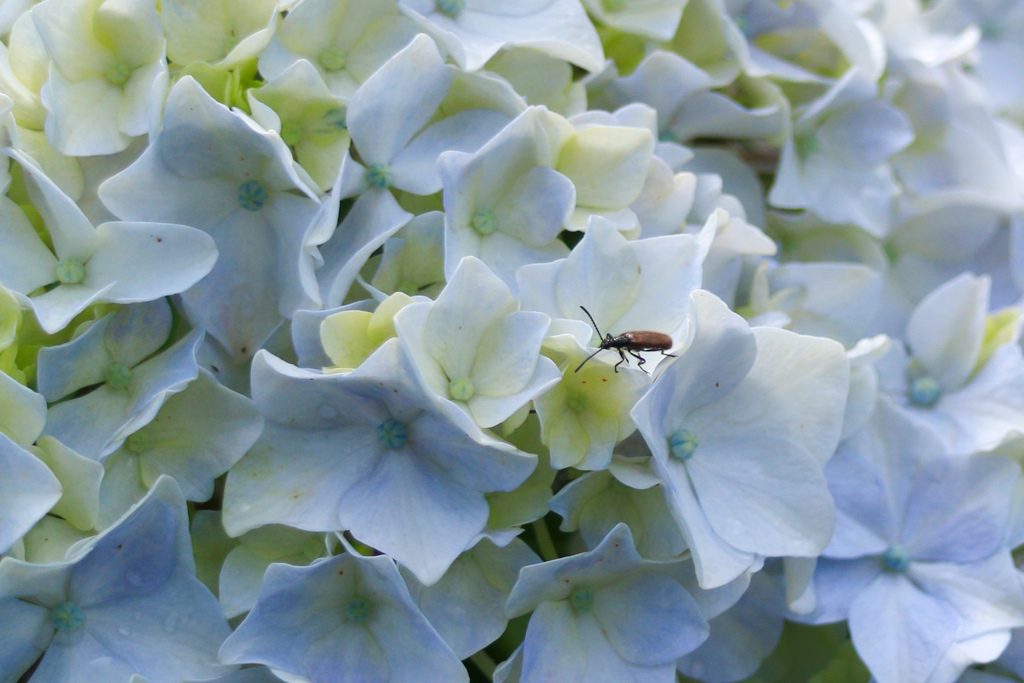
x,y
924,392
357,610
392,433
896,559
614,5
461,389
577,403
379,176
806,145
335,119
582,600
451,7
291,133
118,73
332,59
67,616
118,376
138,442
70,271
683,444
252,195
485,222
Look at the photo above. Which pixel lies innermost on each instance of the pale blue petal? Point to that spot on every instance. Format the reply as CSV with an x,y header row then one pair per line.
x,y
171,633
72,234
307,399
25,630
671,268
197,436
489,411
249,253
22,411
837,583
25,262
988,594
536,206
373,218
741,638
553,649
985,410
152,189
28,490
400,507
482,465
716,561
126,337
899,631
397,101
763,495
796,391
946,329
960,509
556,579
502,253
95,424
299,607
135,332
649,618
415,166
467,606
240,579
297,477
84,661
509,353
602,274
148,260
721,354
58,307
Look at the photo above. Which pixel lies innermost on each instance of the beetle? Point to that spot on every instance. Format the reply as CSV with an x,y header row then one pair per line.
x,y
631,343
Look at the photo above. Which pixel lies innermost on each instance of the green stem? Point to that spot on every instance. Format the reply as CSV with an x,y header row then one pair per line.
x,y
483,661
544,542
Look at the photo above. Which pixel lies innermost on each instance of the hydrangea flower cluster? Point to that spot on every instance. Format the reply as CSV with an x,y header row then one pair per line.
x,y
547,340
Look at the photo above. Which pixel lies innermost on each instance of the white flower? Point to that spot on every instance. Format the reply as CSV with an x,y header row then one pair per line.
x,y
122,602
220,32
741,427
474,350
473,31
117,261
108,72
214,170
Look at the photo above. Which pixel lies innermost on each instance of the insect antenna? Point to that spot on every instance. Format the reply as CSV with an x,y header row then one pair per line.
x,y
593,323
598,336
588,358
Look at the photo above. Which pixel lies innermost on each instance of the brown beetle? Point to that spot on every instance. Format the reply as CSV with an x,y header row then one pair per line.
x,y
631,343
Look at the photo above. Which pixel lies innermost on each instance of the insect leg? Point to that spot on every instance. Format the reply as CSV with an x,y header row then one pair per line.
x,y
640,365
622,355
670,355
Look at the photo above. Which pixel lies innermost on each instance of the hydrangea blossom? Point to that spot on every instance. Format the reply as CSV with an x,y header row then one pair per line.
x,y
107,71
347,618
396,236
714,427
396,487
213,170
895,568
80,264
122,602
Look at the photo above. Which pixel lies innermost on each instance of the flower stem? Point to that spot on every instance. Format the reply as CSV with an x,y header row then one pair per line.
x,y
544,542
483,661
